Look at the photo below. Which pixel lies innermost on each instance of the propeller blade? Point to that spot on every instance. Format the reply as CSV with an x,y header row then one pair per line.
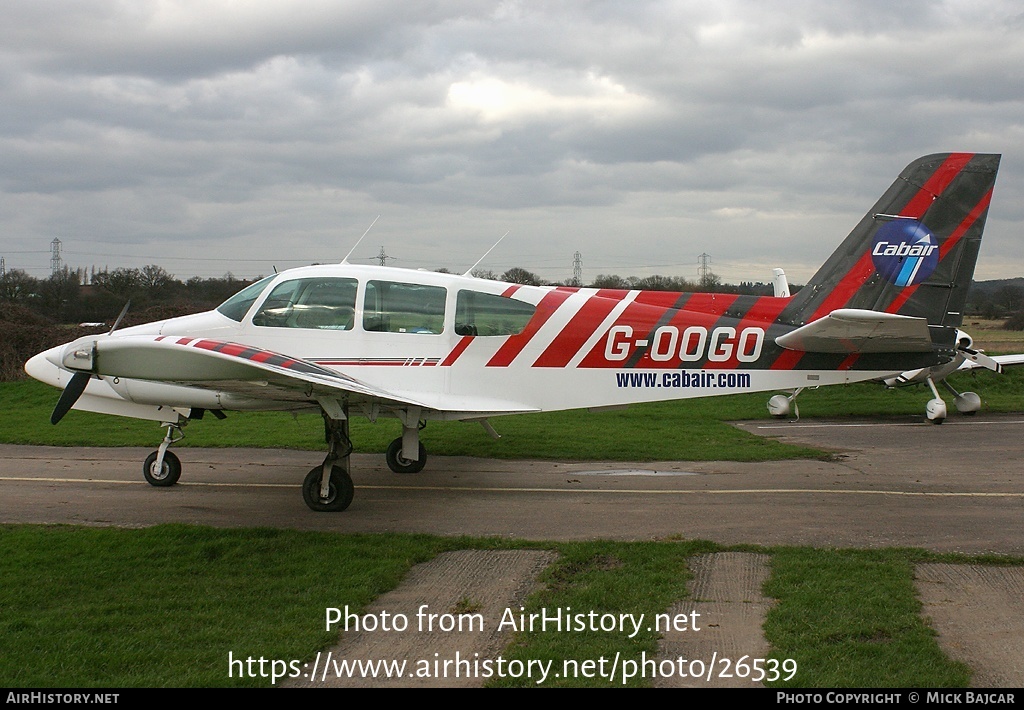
x,y
70,395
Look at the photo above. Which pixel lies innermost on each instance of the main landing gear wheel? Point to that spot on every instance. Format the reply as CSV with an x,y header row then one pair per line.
x,y
168,474
339,496
399,464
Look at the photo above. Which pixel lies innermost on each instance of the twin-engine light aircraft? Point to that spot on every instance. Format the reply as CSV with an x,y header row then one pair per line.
x,y
417,346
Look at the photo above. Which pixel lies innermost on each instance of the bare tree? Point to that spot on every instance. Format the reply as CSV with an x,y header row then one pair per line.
x,y
519,275
17,286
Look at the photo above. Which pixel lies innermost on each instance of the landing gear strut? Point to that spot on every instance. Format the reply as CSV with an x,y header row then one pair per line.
x,y
406,454
935,410
162,468
328,488
967,403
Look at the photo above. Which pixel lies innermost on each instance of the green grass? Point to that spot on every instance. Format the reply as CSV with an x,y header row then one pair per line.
x,y
693,430
850,618
163,606
661,431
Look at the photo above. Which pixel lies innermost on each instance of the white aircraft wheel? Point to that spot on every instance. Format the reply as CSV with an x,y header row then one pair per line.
x,y
399,464
968,403
168,474
340,492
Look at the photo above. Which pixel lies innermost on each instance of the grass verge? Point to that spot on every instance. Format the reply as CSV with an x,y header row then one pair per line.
x,y
163,606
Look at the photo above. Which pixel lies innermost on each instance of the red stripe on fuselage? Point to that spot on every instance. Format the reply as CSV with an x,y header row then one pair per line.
x,y
579,328
703,309
642,315
459,348
763,313
511,348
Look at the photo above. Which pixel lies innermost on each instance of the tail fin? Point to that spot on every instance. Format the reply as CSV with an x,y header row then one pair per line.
x,y
914,252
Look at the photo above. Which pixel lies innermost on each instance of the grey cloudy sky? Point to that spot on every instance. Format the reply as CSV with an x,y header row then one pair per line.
x,y
217,135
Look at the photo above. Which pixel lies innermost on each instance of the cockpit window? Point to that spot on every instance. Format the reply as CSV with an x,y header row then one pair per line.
x,y
391,307
318,303
238,305
478,313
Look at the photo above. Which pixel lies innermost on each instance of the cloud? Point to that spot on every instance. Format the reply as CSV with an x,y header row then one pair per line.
x,y
678,127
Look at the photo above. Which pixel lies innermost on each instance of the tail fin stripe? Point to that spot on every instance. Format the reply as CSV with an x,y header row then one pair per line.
x,y
969,220
947,246
935,184
916,207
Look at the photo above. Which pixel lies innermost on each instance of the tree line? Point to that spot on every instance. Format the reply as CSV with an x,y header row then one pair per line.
x,y
35,314
64,298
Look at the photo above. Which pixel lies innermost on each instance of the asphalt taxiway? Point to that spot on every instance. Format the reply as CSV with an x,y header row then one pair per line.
x,y
891,482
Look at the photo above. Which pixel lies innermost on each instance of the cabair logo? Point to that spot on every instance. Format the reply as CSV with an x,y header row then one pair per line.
x,y
905,252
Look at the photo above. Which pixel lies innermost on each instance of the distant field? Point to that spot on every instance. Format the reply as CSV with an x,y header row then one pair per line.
x,y
990,336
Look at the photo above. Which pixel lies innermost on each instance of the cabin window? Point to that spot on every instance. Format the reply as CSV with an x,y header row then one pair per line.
x,y
391,307
238,305
478,313
315,303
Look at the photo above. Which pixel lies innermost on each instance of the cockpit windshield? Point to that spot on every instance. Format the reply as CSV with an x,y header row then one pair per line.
x,y
238,305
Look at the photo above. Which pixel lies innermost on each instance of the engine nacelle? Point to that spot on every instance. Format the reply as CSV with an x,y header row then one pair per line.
x,y
967,403
147,392
963,340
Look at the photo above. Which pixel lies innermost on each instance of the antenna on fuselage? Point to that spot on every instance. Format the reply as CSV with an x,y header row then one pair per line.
x,y
470,272
345,260
124,312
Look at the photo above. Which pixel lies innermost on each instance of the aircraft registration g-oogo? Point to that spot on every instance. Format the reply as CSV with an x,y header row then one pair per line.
x,y
383,342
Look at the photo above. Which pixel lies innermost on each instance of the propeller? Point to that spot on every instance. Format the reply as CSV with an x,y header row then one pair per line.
x,y
70,395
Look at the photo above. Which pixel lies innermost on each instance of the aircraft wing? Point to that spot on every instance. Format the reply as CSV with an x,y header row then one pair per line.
x,y
854,330
205,362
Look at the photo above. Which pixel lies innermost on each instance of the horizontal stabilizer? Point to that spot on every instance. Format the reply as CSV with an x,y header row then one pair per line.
x,y
996,363
854,330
